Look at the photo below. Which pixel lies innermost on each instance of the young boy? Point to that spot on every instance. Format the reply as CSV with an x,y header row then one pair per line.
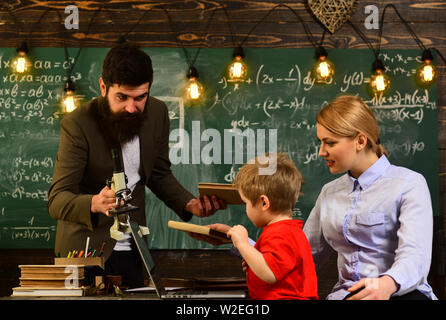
x,y
280,265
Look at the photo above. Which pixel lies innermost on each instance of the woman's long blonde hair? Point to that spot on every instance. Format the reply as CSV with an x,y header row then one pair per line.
x,y
347,116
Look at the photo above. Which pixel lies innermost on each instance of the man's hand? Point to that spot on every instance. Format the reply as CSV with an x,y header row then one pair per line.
x,y
104,201
215,242
373,288
203,207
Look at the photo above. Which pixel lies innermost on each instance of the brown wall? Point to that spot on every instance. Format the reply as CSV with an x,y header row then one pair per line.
x,y
280,29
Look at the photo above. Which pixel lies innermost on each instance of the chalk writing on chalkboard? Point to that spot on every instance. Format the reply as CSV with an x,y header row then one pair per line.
x,y
278,95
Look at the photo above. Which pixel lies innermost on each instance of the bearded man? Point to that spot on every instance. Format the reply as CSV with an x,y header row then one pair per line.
x,y
127,117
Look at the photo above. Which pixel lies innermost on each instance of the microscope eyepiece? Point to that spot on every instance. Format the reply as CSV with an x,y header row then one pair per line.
x,y
117,162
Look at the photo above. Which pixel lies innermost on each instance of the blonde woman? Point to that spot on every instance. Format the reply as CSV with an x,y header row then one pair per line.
x,y
377,216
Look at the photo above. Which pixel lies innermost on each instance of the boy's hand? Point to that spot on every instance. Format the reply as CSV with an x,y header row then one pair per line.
x,y
238,235
253,258
245,266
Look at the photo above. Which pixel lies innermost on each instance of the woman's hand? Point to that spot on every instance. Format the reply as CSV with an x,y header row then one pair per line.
x,y
374,288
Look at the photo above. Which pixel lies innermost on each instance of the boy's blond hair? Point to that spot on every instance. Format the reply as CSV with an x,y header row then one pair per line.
x,y
282,188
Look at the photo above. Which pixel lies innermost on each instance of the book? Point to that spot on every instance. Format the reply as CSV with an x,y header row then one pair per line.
x,y
50,271
46,292
51,276
195,228
225,191
51,283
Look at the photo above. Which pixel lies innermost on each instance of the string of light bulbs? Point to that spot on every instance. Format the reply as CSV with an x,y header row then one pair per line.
x,y
123,38
194,90
237,71
427,73
379,81
21,63
69,101
323,70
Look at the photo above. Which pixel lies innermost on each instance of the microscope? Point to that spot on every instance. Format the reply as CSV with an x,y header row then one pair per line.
x,y
118,183
122,223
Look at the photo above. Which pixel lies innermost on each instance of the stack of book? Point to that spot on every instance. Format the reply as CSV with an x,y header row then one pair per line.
x,y
50,280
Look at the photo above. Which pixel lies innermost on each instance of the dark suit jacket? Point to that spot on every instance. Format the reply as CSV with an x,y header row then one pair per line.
x,y
84,163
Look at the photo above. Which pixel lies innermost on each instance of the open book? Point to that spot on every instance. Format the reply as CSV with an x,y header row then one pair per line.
x,y
223,191
190,227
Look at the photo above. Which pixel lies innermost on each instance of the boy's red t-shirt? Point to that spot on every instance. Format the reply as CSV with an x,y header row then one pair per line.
x,y
287,252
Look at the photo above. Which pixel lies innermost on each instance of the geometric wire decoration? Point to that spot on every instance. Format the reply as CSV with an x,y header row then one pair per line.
x,y
333,13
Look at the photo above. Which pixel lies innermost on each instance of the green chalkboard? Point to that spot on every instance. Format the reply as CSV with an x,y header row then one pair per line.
x,y
278,95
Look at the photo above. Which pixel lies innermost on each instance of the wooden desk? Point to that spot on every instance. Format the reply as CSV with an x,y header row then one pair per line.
x,y
197,263
126,296
183,264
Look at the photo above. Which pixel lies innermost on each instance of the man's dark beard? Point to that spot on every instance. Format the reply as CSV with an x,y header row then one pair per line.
x,y
121,127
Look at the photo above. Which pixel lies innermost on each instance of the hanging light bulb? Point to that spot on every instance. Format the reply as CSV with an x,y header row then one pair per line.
x,y
69,100
426,74
379,82
194,89
21,63
237,70
324,69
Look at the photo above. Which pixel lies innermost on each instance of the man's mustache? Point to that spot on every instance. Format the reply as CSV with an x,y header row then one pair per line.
x,y
127,116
